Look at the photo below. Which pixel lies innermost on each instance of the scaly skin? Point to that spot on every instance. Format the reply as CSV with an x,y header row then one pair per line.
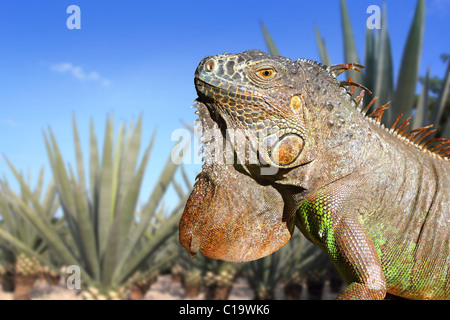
x,y
375,201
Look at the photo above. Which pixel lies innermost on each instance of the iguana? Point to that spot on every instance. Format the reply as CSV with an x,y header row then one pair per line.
x,y
375,199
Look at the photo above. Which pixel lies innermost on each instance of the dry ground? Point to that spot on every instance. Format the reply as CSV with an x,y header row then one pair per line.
x,y
163,289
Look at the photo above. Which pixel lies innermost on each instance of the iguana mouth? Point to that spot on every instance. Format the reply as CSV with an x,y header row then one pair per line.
x,y
224,92
236,104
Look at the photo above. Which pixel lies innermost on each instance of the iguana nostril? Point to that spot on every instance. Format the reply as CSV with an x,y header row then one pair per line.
x,y
209,66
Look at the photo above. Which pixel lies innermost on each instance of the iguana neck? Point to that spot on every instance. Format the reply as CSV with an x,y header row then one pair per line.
x,y
349,145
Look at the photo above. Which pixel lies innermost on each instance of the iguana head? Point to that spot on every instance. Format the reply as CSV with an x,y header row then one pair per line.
x,y
276,100
235,213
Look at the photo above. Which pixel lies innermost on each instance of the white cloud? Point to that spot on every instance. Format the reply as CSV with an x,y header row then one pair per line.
x,y
9,122
78,73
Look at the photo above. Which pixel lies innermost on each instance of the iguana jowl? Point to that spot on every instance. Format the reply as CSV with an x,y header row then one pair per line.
x,y
375,199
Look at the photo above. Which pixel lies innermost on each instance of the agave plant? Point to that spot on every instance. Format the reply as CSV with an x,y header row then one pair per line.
x,y
218,278
379,73
302,257
191,273
263,275
305,265
139,284
7,259
192,282
435,110
176,272
108,242
163,258
27,246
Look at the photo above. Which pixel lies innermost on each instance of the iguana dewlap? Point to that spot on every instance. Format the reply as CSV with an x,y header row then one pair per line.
x,y
287,145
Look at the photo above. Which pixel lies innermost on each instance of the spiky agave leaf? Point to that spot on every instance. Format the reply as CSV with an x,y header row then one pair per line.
x,y
409,68
27,206
442,98
16,231
420,116
383,80
273,50
350,52
129,258
75,207
324,57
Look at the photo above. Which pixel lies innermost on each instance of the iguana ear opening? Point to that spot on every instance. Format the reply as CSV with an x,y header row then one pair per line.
x,y
234,218
287,150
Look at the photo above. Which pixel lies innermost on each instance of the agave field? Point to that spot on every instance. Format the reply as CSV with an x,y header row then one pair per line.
x,y
88,218
113,243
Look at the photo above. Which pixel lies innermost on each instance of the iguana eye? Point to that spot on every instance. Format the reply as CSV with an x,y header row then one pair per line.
x,y
267,73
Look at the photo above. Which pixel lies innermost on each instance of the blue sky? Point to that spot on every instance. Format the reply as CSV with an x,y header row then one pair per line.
x,y
138,57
